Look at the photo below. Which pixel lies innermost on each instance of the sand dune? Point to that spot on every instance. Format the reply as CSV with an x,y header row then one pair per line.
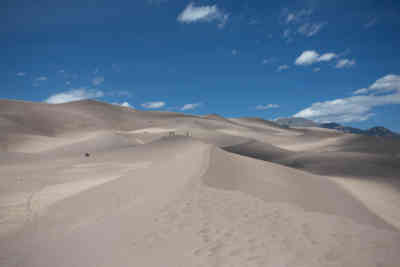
x,y
236,192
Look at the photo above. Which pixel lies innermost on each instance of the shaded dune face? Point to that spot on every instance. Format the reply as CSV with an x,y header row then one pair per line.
x,y
274,183
168,189
334,163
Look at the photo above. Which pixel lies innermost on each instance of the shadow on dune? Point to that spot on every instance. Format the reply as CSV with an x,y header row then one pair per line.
x,y
343,162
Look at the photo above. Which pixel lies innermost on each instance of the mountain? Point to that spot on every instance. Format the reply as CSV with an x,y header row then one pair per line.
x,y
301,122
341,128
374,131
296,122
381,131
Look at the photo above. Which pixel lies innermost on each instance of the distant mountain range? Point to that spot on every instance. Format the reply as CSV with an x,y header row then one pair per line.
x,y
296,122
301,122
374,131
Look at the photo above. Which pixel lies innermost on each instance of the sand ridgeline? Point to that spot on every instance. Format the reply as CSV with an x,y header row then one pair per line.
x,y
237,192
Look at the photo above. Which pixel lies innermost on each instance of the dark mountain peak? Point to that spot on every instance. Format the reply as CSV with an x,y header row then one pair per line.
x,y
374,131
380,131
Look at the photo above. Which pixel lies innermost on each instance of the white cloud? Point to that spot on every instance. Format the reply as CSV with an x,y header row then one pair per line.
x,y
307,58
74,95
192,14
283,67
310,57
68,83
123,104
371,22
269,106
267,61
345,63
327,57
21,73
287,34
126,104
310,29
98,80
357,107
387,84
234,52
296,17
190,106
41,78
290,17
302,21
157,104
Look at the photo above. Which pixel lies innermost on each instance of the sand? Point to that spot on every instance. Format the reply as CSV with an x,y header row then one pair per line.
x,y
238,192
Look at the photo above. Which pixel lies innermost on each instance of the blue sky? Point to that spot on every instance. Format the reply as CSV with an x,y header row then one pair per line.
x,y
322,60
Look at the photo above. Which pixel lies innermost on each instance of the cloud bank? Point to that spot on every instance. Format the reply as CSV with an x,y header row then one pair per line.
x,y
74,95
123,104
190,106
153,105
384,91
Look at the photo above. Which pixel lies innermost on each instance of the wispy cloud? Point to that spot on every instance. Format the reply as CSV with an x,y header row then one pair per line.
x,y
265,107
193,14
267,60
296,16
153,105
234,52
345,63
282,68
191,106
124,104
98,80
253,21
21,74
384,91
310,57
41,78
287,34
300,22
371,22
310,29
316,69
388,84
74,95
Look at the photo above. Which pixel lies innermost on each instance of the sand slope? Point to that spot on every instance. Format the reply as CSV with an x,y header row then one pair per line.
x,y
237,192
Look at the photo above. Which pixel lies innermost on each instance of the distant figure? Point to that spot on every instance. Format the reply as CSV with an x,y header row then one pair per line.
x,y
188,134
171,134
87,155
